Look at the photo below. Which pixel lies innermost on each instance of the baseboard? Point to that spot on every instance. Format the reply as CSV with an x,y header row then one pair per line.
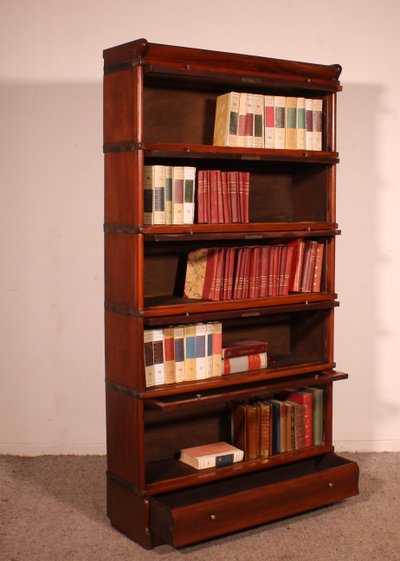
x,y
367,445
74,448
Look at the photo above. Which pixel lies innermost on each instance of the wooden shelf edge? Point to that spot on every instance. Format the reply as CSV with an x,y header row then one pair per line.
x,y
175,401
240,468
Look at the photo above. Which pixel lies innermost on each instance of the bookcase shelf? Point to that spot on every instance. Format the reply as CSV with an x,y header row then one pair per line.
x,y
159,110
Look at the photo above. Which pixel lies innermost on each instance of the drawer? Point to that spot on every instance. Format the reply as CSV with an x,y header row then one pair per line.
x,y
191,515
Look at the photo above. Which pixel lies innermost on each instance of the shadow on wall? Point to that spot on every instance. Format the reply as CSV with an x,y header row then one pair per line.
x,y
358,259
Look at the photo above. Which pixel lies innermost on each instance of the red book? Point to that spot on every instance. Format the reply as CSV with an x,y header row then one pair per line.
x,y
220,199
262,290
227,217
254,274
213,217
281,269
229,270
316,287
200,197
245,347
238,281
297,265
310,251
306,399
209,275
246,272
288,268
245,190
234,191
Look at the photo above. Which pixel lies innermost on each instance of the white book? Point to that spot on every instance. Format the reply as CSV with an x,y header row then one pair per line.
x,y
309,124
249,123
189,182
168,194
258,121
280,108
158,195
317,124
177,194
209,349
301,123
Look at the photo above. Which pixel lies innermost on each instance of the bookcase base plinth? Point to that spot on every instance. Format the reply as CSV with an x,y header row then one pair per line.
x,y
192,515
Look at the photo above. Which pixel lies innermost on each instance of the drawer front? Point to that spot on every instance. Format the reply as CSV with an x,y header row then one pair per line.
x,y
207,519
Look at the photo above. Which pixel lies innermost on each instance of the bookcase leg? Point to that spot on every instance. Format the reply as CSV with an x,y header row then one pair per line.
x,y
130,514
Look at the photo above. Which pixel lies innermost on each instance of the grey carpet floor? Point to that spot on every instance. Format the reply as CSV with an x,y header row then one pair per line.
x,y
52,508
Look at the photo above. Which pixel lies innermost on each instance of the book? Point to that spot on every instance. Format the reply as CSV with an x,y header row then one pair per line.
x,y
217,454
317,124
280,125
168,194
246,429
316,283
249,121
226,119
169,355
177,194
258,121
318,415
269,121
242,119
217,349
308,105
189,178
291,123
306,399
200,350
301,123
245,363
190,352
179,353
244,347
158,356
148,358
265,446
195,273
209,349
154,175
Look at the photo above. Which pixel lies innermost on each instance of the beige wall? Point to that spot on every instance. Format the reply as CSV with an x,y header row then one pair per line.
x,y
51,289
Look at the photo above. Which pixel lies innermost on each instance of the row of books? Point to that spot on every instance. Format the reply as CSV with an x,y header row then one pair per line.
x,y
268,121
254,272
290,421
169,193
185,353
222,196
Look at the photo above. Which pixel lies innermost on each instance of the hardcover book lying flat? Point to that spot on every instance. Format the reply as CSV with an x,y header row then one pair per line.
x,y
217,454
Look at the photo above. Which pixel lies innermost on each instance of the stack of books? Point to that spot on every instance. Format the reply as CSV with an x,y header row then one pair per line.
x,y
169,193
268,121
182,353
244,356
222,196
290,421
254,272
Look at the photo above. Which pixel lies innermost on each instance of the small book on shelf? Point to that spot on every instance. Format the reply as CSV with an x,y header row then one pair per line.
x,y
216,454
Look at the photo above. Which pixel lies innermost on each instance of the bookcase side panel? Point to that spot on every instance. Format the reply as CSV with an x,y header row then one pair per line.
x,y
124,350
123,193
122,93
125,450
124,270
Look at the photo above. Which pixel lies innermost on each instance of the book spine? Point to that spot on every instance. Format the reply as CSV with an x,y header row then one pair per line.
x,y
209,349
242,119
179,349
177,194
158,355
269,121
309,123
148,358
301,124
226,119
196,274
148,196
169,355
291,123
190,352
189,182
244,363
249,121
317,124
168,194
258,121
217,348
245,349
280,125
200,350
158,195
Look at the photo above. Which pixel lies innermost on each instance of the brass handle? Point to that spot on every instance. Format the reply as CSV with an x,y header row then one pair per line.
x,y
330,484
213,517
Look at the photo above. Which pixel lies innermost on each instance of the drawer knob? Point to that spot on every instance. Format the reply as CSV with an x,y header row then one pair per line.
x,y
212,517
330,484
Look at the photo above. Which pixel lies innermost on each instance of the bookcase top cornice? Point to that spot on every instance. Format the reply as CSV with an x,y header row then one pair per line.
x,y
181,59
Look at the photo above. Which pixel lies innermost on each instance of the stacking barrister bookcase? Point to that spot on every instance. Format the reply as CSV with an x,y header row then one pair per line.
x,y
159,110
